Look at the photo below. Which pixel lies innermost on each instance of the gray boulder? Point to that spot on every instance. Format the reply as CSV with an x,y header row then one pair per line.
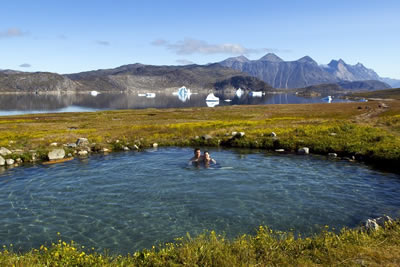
x,y
4,151
206,137
332,155
2,161
375,224
303,151
10,161
82,142
58,153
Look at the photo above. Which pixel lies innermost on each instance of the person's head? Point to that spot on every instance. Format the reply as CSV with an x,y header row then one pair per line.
x,y
197,152
206,156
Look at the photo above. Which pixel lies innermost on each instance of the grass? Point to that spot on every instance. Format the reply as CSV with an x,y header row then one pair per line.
x,y
350,247
368,131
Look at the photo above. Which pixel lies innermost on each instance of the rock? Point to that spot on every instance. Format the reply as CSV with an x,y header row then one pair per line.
x,y
71,145
57,153
241,134
234,133
383,105
10,161
53,144
375,224
273,134
333,134
82,153
332,155
4,151
280,150
2,161
155,145
18,160
82,142
105,150
136,147
206,137
127,148
303,151
69,155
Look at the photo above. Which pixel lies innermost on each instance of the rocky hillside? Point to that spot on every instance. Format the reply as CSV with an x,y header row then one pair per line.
x,y
343,87
134,77
27,82
300,73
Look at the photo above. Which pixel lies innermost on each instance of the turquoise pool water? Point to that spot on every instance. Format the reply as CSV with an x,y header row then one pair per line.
x,y
128,201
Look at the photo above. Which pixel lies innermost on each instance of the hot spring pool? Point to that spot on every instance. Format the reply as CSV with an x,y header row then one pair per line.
x,y
128,201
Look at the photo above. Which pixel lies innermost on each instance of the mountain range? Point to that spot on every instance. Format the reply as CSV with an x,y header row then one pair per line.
x,y
132,78
264,74
304,71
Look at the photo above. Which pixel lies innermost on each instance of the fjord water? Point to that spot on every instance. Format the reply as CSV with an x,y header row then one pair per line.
x,y
14,104
131,200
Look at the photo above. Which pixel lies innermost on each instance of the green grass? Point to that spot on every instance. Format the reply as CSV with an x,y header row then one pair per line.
x,y
266,248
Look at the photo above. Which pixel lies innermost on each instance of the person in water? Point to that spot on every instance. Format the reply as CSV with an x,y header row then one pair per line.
x,y
197,156
207,158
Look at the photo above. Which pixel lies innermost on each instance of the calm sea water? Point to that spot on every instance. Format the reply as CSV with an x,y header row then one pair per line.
x,y
129,201
42,103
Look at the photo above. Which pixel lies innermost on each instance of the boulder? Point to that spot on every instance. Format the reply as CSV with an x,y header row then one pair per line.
x,y
83,153
127,148
2,161
303,151
82,142
332,155
54,144
58,153
280,150
375,224
206,137
273,134
10,161
155,145
4,151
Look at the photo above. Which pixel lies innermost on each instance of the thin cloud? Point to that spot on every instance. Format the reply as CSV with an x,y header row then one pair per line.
x,y
159,42
184,62
25,65
193,46
12,32
105,43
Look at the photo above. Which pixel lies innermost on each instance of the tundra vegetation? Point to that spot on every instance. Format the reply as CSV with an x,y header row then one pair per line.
x,y
367,131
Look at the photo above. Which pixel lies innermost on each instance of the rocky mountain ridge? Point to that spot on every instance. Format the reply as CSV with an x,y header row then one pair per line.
x,y
302,72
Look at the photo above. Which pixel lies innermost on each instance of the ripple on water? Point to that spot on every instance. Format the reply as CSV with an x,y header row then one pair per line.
x,y
128,201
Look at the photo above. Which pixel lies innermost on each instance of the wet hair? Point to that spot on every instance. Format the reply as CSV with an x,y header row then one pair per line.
x,y
206,152
196,149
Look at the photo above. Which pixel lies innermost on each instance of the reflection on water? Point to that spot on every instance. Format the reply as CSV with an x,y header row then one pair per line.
x,y
42,103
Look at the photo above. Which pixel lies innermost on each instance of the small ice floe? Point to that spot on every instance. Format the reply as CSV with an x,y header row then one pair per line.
x,y
212,100
227,100
239,92
183,94
256,93
94,93
327,99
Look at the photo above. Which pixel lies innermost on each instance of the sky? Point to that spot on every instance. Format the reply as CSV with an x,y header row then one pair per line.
x,y
73,36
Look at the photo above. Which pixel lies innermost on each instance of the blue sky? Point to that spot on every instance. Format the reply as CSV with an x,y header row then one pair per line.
x,y
73,36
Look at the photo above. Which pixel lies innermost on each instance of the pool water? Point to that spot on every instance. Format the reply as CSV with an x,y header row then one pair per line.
x,y
127,201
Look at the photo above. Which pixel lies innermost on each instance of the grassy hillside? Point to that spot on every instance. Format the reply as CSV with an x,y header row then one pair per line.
x,y
384,94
